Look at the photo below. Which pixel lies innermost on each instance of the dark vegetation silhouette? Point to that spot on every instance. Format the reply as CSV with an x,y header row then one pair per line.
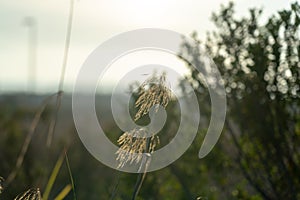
x,y
259,62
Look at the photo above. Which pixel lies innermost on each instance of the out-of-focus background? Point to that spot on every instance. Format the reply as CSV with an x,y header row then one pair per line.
x,y
255,45
94,22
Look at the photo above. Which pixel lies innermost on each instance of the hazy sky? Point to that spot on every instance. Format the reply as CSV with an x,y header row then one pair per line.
x,y
94,22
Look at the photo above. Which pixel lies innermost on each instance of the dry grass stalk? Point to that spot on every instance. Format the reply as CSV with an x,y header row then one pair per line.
x,y
62,75
134,143
132,146
1,187
31,194
28,139
152,92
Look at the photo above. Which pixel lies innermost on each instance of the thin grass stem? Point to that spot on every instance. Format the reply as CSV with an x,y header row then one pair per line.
x,y
27,141
62,75
71,176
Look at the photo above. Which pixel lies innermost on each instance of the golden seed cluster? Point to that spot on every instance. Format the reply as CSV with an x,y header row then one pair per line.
x,y
31,194
152,92
132,146
135,142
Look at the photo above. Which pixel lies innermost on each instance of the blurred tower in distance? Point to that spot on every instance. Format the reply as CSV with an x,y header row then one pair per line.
x,y
30,22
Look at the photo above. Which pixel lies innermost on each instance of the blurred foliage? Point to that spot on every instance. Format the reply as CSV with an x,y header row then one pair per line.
x,y
260,65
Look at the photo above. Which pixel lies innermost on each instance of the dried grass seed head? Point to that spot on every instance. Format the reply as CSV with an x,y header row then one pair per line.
x,y
153,91
132,146
134,143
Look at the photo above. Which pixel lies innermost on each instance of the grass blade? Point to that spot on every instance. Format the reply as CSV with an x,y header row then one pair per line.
x,y
64,192
53,176
70,174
